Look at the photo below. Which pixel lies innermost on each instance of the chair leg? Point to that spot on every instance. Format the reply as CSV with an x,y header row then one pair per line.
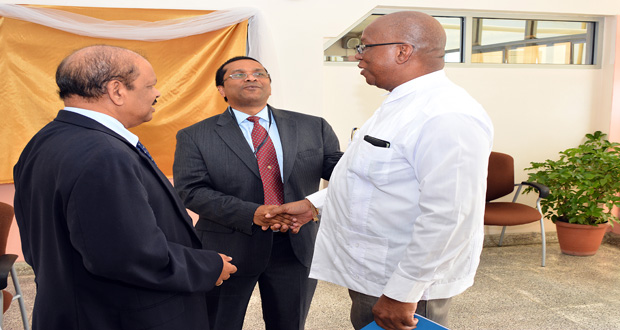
x,y
20,299
1,309
544,241
501,237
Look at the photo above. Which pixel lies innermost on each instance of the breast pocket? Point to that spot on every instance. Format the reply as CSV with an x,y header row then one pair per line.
x,y
372,163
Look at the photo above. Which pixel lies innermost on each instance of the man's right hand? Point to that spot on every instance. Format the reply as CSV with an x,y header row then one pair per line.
x,y
227,269
300,212
276,222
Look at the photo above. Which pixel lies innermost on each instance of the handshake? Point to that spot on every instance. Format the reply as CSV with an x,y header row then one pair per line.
x,y
289,216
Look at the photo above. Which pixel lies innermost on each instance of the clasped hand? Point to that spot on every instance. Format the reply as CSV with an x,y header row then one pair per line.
x,y
289,216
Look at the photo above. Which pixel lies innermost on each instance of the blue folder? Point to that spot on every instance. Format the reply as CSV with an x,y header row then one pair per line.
x,y
423,324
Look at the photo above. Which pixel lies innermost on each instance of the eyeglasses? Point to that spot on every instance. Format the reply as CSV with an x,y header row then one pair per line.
x,y
361,48
243,75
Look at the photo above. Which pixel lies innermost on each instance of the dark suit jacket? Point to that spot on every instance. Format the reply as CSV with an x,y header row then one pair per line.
x,y
110,243
216,174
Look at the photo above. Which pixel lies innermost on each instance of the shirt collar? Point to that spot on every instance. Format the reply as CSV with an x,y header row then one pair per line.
x,y
422,82
107,121
241,116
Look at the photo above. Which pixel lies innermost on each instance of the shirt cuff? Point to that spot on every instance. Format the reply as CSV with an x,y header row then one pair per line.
x,y
318,198
404,289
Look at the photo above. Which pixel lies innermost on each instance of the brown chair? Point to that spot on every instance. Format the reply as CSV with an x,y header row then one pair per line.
x,y
7,262
500,182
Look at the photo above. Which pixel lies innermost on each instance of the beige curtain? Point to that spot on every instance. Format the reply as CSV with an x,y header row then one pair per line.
x,y
185,68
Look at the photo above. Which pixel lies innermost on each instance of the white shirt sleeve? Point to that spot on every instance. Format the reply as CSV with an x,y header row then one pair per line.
x,y
318,198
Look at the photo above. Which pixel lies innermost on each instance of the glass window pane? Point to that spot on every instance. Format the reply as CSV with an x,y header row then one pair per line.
x,y
453,27
488,57
548,29
495,31
579,53
532,41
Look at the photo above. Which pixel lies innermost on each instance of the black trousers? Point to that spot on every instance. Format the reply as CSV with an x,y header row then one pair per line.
x,y
285,289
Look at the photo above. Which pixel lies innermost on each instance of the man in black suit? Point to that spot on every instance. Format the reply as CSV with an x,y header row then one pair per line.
x,y
110,242
216,172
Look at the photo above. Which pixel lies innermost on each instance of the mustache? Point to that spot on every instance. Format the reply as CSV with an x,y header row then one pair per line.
x,y
154,101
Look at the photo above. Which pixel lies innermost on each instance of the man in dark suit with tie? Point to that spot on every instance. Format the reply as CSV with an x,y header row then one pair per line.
x,y
231,173
110,242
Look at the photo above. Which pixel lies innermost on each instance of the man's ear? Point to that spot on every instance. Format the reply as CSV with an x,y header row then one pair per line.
x,y
116,92
221,90
405,52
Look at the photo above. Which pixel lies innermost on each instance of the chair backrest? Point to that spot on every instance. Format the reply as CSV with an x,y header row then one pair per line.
x,y
6,219
501,177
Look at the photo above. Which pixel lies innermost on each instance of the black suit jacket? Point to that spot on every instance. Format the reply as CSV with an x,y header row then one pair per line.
x,y
110,243
217,176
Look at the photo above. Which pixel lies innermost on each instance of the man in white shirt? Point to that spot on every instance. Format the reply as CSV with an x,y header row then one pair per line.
x,y
402,219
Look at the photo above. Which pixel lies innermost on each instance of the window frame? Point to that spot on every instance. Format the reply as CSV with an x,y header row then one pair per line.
x,y
467,31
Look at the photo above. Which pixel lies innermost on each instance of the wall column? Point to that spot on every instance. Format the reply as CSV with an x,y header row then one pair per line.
x,y
614,130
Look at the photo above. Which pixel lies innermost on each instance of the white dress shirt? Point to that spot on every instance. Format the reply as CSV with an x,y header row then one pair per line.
x,y
107,121
407,220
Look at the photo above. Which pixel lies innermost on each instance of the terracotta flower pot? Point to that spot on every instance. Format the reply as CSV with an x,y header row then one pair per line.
x,y
579,240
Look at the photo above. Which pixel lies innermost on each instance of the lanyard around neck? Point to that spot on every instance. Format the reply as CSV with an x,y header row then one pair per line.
x,y
232,113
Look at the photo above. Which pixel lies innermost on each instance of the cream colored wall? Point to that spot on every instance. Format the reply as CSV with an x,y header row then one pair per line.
x,y
536,111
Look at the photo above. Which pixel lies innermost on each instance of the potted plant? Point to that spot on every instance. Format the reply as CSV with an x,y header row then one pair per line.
x,y
584,185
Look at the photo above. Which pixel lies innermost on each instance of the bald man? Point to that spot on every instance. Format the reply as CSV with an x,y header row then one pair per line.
x,y
402,219
109,240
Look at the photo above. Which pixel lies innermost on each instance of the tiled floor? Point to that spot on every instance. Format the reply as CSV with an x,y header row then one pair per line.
x,y
511,291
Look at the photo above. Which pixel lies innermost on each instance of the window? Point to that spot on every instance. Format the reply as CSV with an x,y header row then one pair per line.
x,y
517,41
343,50
497,38
454,40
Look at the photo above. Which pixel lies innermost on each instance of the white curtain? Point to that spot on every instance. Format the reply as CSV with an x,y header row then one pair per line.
x,y
260,45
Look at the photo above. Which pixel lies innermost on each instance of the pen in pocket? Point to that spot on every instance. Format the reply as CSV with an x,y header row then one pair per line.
x,y
376,142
